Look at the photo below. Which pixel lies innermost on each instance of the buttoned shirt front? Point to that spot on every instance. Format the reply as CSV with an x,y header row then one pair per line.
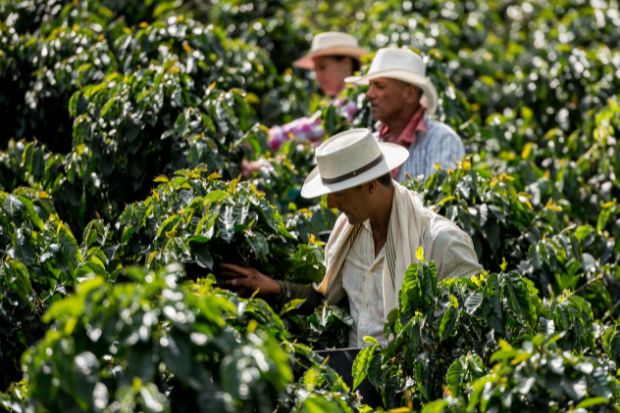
x,y
362,281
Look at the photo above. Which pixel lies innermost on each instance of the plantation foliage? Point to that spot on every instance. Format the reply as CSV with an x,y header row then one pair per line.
x,y
124,126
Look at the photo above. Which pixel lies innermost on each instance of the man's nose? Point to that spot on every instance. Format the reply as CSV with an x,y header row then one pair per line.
x,y
370,93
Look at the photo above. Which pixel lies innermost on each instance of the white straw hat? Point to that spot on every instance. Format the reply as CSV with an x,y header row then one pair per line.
x,y
330,44
401,64
349,159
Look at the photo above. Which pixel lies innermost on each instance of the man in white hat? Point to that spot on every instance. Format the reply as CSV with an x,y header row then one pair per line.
x,y
403,100
374,240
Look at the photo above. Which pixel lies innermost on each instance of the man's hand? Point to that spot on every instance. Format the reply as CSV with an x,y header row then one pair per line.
x,y
245,281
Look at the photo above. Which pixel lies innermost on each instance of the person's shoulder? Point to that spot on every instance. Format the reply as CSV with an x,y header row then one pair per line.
x,y
448,236
452,250
443,231
443,136
439,128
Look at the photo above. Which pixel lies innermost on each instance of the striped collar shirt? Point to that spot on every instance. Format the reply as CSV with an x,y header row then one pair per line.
x,y
432,144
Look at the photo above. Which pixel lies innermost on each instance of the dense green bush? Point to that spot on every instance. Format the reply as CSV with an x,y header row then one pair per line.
x,y
26,163
41,261
537,376
124,130
453,327
154,345
200,221
494,210
39,75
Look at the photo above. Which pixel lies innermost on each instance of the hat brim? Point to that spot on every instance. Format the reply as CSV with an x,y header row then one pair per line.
x,y
394,155
429,98
307,61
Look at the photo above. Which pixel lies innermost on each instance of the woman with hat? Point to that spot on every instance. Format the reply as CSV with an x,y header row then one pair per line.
x,y
382,227
333,57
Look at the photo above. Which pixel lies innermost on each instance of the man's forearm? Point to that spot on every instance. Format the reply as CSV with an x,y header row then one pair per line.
x,y
290,291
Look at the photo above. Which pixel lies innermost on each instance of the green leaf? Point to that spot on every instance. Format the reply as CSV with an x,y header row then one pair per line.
x,y
91,90
71,251
32,214
12,205
361,364
611,342
592,401
436,406
603,218
329,117
547,326
316,404
421,368
168,225
473,302
19,278
153,401
453,376
292,305
583,231
85,368
200,251
448,323
259,245
241,214
227,224
140,361
73,103
206,226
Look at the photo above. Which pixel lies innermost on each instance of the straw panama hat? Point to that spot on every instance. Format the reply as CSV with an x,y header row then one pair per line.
x,y
330,44
401,64
349,159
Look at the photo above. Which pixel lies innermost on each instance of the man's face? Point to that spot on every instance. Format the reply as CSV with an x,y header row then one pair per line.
x,y
351,202
388,97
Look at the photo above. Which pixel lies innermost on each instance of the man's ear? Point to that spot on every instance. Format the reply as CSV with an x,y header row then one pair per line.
x,y
371,186
413,94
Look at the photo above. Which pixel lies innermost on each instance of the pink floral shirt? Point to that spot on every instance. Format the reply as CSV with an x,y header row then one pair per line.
x,y
308,128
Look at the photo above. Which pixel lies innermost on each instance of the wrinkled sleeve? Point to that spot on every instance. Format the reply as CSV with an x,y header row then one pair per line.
x,y
303,129
452,250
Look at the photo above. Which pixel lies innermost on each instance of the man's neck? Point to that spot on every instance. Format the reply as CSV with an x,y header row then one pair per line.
x,y
397,125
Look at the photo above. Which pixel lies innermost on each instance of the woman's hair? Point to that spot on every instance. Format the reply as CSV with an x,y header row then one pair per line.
x,y
355,64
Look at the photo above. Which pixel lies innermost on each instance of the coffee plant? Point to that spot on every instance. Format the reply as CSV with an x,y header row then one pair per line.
x,y
125,132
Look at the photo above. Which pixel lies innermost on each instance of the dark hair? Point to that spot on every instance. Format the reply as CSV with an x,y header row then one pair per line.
x,y
385,180
355,64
